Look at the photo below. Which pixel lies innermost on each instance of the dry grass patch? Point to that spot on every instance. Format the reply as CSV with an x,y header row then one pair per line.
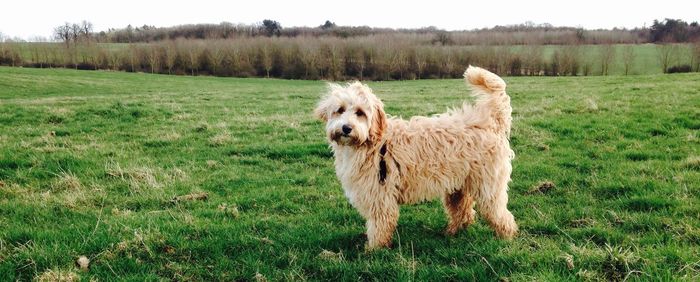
x,y
619,263
568,260
66,181
220,139
44,144
692,162
140,177
171,136
231,210
57,275
259,277
202,126
591,105
534,137
176,174
143,242
60,111
182,116
221,125
212,163
331,256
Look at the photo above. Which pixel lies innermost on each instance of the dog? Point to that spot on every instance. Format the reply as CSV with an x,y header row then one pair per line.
x,y
462,156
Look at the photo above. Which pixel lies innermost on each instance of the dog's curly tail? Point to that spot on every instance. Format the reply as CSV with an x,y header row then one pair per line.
x,y
490,91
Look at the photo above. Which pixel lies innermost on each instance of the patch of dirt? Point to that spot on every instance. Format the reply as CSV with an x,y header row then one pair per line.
x,y
542,188
582,222
191,197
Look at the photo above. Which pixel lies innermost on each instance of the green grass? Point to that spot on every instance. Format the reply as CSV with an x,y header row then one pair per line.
x,y
646,58
90,162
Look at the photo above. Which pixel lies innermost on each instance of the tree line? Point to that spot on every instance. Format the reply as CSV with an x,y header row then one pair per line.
x,y
336,52
367,58
668,30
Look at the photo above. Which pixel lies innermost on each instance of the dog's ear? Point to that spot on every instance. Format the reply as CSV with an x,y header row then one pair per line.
x,y
321,111
360,88
323,107
378,126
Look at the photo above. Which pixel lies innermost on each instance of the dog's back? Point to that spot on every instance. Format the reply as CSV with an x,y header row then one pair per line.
x,y
440,154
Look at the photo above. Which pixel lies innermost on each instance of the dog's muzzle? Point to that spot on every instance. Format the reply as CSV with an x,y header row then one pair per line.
x,y
343,138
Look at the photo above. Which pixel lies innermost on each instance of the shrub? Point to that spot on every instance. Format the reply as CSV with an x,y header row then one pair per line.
x,y
679,69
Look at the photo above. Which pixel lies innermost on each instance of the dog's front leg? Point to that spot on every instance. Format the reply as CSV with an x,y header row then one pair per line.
x,y
381,223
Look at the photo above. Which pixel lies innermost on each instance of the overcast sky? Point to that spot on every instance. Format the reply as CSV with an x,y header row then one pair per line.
x,y
28,18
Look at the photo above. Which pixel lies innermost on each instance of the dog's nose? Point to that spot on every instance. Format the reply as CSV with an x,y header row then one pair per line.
x,y
346,129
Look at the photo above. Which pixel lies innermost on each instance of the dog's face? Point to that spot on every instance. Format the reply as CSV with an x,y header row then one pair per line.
x,y
353,115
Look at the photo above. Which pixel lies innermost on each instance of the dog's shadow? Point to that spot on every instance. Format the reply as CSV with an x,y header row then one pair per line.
x,y
412,234
351,241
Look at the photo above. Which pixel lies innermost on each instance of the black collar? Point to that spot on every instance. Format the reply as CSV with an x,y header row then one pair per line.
x,y
382,164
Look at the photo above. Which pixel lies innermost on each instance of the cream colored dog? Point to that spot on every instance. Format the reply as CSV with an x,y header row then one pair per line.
x,y
462,156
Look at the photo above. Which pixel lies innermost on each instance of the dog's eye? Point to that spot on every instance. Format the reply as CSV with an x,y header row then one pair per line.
x,y
340,110
360,113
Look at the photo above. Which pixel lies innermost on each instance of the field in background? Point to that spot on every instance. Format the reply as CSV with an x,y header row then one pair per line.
x,y
605,182
389,57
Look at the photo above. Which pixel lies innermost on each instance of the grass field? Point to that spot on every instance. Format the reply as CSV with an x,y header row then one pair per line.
x,y
92,164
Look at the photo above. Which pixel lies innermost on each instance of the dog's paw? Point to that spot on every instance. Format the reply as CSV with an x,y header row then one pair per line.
x,y
451,231
373,247
507,232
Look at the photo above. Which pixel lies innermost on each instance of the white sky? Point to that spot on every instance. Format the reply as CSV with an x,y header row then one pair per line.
x,y
28,18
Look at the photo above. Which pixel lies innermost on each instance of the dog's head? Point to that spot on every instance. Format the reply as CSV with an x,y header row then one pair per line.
x,y
353,115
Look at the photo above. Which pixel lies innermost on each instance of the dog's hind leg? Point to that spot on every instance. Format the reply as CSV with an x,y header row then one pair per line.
x,y
493,208
459,207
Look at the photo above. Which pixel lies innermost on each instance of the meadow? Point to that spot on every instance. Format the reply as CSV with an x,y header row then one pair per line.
x,y
157,177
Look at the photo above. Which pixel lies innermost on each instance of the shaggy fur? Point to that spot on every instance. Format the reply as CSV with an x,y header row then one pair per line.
x,y
462,156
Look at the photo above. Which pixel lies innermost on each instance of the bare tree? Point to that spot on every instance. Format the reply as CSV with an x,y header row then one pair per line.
x,y
115,59
332,55
696,57
93,56
532,61
34,49
63,33
664,54
266,59
308,58
75,30
217,58
570,60
421,62
193,57
153,57
170,55
606,56
398,62
448,64
361,62
86,30
628,56
133,54
45,55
